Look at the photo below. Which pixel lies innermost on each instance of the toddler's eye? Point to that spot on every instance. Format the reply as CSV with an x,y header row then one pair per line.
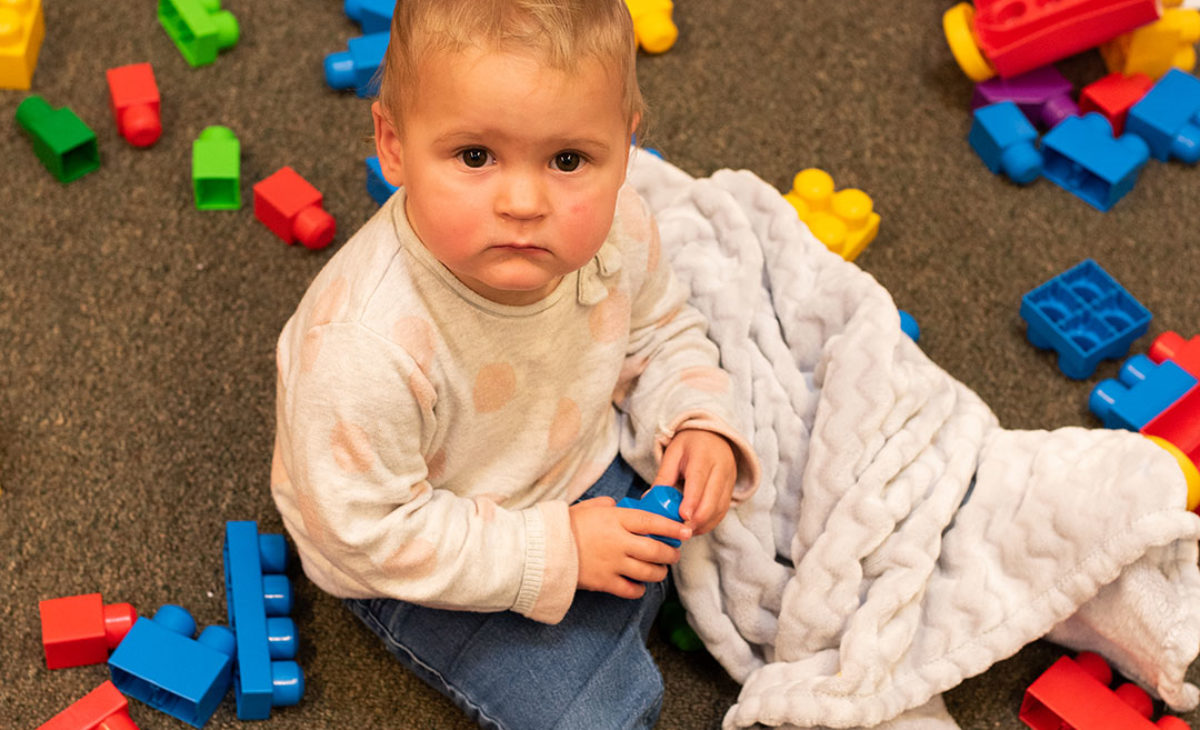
x,y
474,157
567,161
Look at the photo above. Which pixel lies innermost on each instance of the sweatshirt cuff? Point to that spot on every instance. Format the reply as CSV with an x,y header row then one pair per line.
x,y
551,564
748,469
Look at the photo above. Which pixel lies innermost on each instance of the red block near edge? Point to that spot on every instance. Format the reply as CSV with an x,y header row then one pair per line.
x,y
291,207
1113,96
104,708
135,103
1074,693
80,630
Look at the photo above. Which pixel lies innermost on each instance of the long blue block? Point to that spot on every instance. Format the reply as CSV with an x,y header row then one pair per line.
x,y
355,67
1168,117
1143,391
375,16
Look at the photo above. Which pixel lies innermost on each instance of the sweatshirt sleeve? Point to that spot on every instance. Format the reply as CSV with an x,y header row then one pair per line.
x,y
671,379
357,421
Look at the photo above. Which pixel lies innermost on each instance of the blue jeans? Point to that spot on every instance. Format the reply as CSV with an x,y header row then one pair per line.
x,y
591,671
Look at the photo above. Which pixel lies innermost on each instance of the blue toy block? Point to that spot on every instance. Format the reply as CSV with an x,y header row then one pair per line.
x,y
1168,117
1082,157
661,500
377,185
1143,391
909,326
159,663
375,16
1006,142
355,68
1085,316
259,598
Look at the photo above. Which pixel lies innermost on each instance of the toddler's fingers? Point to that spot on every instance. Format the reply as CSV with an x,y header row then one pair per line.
x,y
668,470
625,588
649,550
643,572
641,522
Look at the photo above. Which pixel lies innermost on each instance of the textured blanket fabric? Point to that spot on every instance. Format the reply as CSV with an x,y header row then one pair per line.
x,y
901,540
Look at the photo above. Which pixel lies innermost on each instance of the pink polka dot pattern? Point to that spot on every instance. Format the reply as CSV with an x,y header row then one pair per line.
x,y
310,515
310,349
495,385
564,429
635,223
415,559
330,303
485,508
435,466
609,320
710,380
416,336
351,447
630,370
279,475
653,249
422,390
667,318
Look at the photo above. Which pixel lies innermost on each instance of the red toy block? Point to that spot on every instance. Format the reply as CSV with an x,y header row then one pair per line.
x,y
1113,96
80,630
291,207
104,708
1179,423
1185,353
133,98
1074,693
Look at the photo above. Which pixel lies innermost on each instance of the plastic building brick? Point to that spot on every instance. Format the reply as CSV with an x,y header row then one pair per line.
x,y
845,222
1168,117
135,103
1154,49
1081,156
1113,96
1043,95
661,500
1010,37
291,207
80,630
160,664
377,185
1085,316
355,67
653,25
104,708
1187,464
374,16
259,598
1142,391
217,169
22,29
1074,693
1006,142
1184,353
199,28
64,144
908,325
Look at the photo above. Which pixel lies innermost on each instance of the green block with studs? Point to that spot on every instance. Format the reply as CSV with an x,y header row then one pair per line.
x,y
217,169
64,144
199,28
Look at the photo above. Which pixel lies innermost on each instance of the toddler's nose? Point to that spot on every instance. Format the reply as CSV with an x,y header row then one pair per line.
x,y
521,197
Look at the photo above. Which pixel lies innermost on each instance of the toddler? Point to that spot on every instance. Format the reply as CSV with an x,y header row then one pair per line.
x,y
492,361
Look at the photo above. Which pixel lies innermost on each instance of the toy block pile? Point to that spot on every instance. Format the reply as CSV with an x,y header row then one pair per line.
x,y
1096,145
161,662
286,203
1075,693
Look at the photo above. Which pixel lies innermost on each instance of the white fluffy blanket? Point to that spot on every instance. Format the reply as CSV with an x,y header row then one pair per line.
x,y
901,540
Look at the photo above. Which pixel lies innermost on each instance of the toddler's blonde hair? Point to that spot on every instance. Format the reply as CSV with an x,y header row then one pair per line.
x,y
562,32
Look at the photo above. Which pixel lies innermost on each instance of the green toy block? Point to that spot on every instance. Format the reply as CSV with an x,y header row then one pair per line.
x,y
199,28
64,144
216,169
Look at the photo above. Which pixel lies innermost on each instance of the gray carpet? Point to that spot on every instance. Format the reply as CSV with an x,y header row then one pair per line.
x,y
137,334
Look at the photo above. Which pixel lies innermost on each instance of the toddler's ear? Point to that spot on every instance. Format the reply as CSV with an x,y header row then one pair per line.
x,y
388,147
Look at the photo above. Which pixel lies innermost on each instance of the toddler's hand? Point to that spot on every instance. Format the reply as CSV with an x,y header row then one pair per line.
x,y
707,465
615,554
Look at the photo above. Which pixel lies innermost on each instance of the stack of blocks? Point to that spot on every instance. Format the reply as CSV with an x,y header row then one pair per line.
x,y
1074,693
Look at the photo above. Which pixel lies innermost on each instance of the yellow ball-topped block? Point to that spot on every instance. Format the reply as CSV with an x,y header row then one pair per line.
x,y
1190,473
653,24
844,221
1154,49
958,24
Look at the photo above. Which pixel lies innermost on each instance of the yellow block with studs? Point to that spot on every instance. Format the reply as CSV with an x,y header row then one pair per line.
x,y
22,28
1154,49
844,221
653,24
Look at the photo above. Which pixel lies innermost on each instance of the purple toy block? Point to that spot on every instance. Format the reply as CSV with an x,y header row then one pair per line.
x,y
1005,141
1043,95
1168,117
1082,156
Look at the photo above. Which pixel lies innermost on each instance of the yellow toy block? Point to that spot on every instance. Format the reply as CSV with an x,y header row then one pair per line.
x,y
652,24
844,221
1155,49
22,28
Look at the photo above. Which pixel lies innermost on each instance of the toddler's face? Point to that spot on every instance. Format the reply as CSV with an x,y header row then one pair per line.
x,y
511,168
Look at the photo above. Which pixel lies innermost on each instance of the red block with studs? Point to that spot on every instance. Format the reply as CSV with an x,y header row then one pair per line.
x,y
81,630
291,207
1113,96
135,103
104,708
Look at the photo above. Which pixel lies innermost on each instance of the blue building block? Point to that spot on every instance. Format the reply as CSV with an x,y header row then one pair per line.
x,y
375,16
661,500
355,68
908,325
259,598
1082,157
1168,117
1006,142
1085,316
159,663
1143,391
377,185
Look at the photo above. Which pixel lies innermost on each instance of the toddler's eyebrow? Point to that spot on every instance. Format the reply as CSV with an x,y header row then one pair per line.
x,y
590,144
